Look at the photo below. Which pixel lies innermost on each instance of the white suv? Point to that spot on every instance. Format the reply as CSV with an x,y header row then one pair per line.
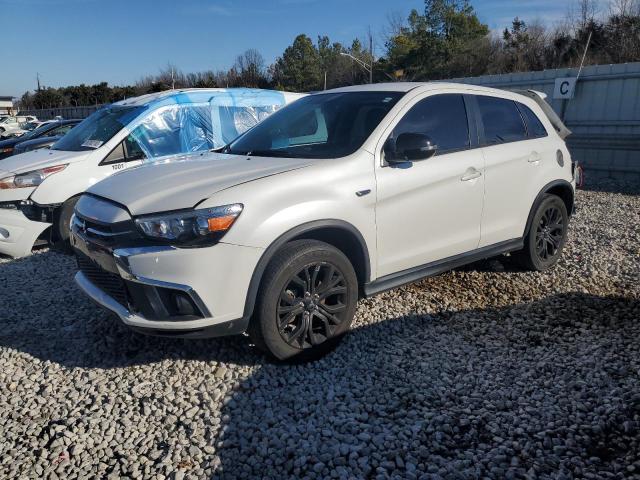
x,y
342,194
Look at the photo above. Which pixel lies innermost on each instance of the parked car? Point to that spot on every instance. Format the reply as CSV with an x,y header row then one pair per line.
x,y
38,189
47,133
11,122
342,194
60,129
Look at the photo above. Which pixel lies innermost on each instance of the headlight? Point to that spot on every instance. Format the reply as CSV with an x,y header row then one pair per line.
x,y
193,228
29,179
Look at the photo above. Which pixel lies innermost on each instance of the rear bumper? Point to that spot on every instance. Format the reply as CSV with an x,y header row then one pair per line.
x,y
18,233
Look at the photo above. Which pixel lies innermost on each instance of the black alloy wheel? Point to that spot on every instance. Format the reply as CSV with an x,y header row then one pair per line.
x,y
312,305
306,301
549,233
546,236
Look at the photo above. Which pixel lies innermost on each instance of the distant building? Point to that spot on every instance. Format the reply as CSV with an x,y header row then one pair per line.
x,y
6,105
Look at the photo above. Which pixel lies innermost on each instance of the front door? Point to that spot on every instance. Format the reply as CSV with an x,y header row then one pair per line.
x,y
431,209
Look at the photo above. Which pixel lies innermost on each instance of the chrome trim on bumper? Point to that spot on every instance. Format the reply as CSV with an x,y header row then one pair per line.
x,y
202,328
121,257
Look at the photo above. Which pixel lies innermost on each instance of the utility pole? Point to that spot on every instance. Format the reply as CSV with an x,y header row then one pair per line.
x,y
371,53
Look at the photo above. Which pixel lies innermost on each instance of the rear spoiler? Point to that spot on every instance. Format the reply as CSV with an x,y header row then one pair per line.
x,y
553,117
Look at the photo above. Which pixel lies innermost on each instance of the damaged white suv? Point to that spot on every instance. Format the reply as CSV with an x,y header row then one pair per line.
x,y
342,194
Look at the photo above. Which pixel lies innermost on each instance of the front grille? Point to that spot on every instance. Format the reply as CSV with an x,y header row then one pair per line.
x,y
110,283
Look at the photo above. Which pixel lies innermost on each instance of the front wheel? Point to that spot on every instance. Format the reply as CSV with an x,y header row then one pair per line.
x,y
547,235
306,302
61,225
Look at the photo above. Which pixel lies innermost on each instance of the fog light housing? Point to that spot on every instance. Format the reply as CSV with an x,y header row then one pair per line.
x,y
183,304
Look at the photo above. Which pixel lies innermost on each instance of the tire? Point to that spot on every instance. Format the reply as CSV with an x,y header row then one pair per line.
x,y
62,219
546,237
306,301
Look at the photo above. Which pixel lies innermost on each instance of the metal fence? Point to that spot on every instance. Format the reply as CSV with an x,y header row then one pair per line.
x,y
64,112
604,113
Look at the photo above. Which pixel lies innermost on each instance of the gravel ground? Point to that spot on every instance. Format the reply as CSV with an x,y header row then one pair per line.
x,y
486,372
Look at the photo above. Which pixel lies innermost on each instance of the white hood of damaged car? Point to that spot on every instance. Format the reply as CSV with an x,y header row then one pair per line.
x,y
37,159
179,184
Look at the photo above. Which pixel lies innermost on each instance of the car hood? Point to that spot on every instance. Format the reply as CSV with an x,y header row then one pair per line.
x,y
33,160
183,183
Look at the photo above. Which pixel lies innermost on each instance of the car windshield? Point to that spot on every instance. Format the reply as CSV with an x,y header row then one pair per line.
x,y
97,129
328,125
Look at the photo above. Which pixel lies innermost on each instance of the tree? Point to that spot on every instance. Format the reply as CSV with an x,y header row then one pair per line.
x,y
250,69
298,68
432,45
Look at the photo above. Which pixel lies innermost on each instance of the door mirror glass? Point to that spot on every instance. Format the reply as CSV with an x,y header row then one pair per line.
x,y
413,147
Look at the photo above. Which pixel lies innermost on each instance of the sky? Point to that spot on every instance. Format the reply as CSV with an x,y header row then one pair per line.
x,y
68,42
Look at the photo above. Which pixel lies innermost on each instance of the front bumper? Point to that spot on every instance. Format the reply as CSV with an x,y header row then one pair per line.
x,y
17,233
214,279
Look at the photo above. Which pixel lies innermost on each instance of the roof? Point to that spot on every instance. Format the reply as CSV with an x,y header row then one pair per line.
x,y
408,86
186,95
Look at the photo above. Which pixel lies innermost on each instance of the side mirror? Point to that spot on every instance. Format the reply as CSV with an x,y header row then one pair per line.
x,y
414,146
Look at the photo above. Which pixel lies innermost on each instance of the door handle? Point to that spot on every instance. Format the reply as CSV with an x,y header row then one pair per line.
x,y
470,174
534,157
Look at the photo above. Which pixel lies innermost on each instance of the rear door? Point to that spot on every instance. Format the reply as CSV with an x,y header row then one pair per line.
x,y
516,149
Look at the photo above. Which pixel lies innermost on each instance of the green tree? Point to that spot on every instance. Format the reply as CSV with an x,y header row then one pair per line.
x,y
431,45
299,67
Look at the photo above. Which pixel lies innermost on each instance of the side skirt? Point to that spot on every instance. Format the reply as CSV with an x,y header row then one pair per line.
x,y
434,268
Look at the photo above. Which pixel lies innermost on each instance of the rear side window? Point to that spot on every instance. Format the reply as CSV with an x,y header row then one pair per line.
x,y
534,125
501,120
442,117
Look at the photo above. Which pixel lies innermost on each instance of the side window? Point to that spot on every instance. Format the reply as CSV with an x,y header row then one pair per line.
x,y
58,131
126,151
501,120
441,117
535,128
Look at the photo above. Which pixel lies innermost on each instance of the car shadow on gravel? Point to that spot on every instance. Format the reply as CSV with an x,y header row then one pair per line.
x,y
539,389
44,314
547,389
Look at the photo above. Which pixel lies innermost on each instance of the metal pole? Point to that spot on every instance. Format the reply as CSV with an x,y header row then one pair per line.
x,y
371,53
584,55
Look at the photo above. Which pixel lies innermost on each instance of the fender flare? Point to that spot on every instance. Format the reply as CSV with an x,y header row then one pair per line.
x,y
271,250
540,196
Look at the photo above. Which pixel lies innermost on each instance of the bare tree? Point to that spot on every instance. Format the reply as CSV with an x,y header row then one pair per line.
x,y
250,68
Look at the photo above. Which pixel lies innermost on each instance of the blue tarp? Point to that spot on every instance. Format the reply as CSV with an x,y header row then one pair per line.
x,y
192,121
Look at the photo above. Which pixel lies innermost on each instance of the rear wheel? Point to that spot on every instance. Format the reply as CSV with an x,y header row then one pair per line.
x,y
306,302
547,235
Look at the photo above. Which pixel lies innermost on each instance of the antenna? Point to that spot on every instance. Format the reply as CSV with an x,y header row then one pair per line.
x,y
584,55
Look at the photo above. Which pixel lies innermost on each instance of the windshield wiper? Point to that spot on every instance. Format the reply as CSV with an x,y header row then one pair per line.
x,y
265,153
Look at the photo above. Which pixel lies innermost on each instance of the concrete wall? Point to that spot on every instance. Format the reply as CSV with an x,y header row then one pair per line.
x,y
604,114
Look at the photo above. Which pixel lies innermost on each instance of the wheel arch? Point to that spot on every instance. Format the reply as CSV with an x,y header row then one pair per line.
x,y
338,233
560,188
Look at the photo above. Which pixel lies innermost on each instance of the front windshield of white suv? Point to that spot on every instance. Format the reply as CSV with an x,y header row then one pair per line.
x,y
97,129
328,125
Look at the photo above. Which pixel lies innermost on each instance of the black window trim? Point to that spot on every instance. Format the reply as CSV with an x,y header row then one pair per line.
x,y
126,158
530,135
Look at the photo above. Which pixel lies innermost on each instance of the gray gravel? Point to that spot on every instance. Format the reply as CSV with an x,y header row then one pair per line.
x,y
486,372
